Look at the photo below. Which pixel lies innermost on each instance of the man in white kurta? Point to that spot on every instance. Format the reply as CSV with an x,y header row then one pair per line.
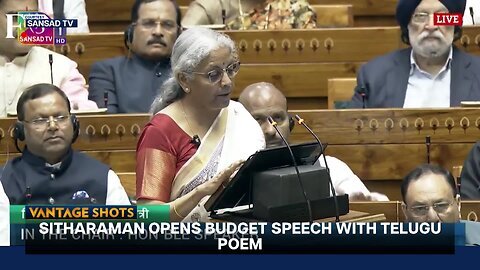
x,y
263,100
22,66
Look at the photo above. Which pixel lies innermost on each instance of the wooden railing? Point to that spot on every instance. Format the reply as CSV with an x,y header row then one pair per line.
x,y
380,145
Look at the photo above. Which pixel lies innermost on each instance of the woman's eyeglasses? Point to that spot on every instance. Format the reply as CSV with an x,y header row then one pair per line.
x,y
216,74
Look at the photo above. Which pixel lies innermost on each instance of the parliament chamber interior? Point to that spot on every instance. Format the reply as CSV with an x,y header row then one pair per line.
x,y
316,70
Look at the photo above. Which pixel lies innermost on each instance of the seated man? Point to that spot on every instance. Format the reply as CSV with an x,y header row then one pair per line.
x,y
130,83
4,218
22,66
470,177
251,14
430,73
430,194
49,171
67,9
263,100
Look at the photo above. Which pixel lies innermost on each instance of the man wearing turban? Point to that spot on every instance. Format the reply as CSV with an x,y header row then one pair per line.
x,y
431,73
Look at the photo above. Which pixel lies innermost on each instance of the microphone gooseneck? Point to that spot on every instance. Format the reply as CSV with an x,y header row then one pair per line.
x,y
301,121
105,99
50,61
428,143
28,195
471,15
309,206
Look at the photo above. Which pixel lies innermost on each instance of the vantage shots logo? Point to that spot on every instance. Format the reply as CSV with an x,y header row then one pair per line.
x,y
37,28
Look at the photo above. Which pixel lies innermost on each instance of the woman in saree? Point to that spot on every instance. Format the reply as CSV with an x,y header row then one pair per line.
x,y
197,137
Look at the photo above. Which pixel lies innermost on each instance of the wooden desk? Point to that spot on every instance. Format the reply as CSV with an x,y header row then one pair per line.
x,y
298,62
105,16
357,216
380,145
352,216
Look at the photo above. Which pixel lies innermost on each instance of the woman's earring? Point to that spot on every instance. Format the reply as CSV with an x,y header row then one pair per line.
x,y
187,90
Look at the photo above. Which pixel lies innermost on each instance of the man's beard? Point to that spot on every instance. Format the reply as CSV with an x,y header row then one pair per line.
x,y
435,48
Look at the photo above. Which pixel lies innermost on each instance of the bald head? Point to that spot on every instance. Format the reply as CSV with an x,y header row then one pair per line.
x,y
263,100
262,94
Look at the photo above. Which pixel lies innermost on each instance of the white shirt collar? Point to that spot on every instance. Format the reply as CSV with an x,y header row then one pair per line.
x,y
414,65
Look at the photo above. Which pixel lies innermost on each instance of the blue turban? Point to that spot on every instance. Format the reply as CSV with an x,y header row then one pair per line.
x,y
406,8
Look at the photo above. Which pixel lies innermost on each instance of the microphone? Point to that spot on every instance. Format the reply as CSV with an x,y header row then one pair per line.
x,y
427,143
105,99
28,195
471,14
309,206
196,140
363,92
50,61
301,121
224,13
224,16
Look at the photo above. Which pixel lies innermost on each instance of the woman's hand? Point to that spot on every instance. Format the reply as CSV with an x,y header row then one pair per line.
x,y
221,178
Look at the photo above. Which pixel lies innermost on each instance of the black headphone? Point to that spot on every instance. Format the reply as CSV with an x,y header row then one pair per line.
x,y
19,130
128,35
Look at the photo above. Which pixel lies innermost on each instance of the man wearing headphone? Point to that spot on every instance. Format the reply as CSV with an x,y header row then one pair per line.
x,y
128,84
263,100
49,171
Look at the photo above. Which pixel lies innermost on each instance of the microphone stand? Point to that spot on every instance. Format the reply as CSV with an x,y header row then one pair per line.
x,y
309,206
427,143
332,188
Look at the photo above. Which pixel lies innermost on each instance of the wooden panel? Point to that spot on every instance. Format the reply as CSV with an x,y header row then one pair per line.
x,y
345,45
107,11
365,7
340,89
391,188
97,132
295,80
121,161
380,153
380,171
318,45
374,21
471,210
292,46
394,161
390,209
105,16
392,126
334,15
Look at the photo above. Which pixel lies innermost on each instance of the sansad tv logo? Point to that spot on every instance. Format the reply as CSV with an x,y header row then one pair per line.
x,y
37,28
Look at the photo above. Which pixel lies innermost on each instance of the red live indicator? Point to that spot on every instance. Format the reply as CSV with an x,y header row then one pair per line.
x,y
448,19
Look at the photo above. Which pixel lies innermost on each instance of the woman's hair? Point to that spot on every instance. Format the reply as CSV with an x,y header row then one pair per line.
x,y
191,47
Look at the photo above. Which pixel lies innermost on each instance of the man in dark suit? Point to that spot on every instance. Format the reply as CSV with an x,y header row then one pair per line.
x,y
431,73
470,177
128,84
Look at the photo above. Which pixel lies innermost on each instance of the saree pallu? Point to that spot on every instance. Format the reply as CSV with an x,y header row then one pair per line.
x,y
233,136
